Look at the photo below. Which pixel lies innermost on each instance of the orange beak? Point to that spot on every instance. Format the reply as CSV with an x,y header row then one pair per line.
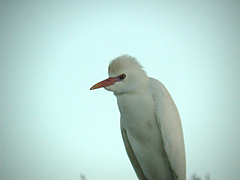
x,y
107,82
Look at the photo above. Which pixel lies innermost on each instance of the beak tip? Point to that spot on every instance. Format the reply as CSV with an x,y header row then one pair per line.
x,y
96,86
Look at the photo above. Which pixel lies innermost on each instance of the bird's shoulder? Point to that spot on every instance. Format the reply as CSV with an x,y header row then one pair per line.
x,y
156,87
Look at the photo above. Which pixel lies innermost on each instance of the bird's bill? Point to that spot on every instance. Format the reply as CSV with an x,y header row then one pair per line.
x,y
107,82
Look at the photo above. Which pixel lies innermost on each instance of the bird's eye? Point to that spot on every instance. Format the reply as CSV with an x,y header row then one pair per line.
x,y
122,76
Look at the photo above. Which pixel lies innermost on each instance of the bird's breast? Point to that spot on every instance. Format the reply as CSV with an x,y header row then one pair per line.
x,y
138,115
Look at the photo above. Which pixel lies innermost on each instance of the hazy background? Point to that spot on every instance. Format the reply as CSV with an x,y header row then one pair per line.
x,y
52,52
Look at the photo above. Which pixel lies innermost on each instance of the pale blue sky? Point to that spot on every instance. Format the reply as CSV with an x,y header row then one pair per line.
x,y
52,52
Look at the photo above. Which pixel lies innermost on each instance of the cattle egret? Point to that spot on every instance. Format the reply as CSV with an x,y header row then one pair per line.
x,y
150,124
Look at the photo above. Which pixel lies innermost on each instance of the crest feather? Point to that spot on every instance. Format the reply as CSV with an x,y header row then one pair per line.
x,y
123,62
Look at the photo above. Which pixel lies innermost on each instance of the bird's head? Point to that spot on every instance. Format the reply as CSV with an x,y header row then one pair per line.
x,y
125,76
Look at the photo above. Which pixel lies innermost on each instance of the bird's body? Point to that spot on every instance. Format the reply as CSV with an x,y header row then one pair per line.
x,y
141,131
150,123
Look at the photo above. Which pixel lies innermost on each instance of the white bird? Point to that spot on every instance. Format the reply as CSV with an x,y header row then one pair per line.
x,y
150,123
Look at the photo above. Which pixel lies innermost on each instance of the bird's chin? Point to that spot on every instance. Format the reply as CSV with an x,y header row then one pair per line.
x,y
109,88
113,89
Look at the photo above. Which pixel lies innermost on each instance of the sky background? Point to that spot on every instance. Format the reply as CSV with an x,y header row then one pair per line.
x,y
52,52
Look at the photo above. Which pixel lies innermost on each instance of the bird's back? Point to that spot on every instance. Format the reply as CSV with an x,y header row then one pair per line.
x,y
171,127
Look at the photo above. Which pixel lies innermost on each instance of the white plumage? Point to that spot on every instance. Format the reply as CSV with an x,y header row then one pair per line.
x,y
150,123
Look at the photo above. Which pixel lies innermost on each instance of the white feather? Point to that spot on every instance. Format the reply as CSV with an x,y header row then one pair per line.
x,y
150,123
171,127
